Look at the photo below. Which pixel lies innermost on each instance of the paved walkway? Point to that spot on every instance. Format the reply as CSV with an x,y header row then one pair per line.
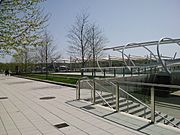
x,y
132,122
23,113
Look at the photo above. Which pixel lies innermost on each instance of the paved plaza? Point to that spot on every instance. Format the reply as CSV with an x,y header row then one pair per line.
x,y
37,108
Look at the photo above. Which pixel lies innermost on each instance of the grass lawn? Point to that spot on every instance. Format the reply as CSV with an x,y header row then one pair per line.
x,y
58,78
69,79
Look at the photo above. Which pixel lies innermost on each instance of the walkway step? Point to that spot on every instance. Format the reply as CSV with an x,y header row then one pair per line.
x,y
142,114
159,118
148,116
127,108
107,98
137,109
134,105
114,101
177,122
125,103
122,100
171,119
98,97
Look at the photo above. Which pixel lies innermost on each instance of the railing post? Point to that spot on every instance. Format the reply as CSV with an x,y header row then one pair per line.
x,y
114,72
94,92
117,97
145,70
127,98
138,71
123,71
104,72
150,70
154,69
94,72
157,70
82,72
78,91
152,105
145,112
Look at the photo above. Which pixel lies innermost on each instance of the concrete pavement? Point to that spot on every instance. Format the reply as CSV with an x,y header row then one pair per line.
x,y
34,108
30,107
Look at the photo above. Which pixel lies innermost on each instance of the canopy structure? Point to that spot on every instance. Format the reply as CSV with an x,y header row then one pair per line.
x,y
151,43
145,45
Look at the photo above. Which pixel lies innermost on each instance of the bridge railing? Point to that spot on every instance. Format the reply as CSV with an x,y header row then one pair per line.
x,y
120,71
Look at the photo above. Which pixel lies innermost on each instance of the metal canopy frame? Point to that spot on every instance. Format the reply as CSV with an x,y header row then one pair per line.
x,y
159,56
151,43
145,45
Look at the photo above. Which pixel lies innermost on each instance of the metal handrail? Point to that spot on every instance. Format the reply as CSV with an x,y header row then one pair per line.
x,y
83,78
108,81
141,83
144,105
100,96
131,96
105,89
150,84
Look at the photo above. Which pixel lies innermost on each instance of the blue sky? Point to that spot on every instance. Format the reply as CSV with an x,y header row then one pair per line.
x,y
122,21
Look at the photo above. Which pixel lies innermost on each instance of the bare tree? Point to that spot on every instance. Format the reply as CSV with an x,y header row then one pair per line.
x,y
78,40
24,56
96,42
86,40
47,52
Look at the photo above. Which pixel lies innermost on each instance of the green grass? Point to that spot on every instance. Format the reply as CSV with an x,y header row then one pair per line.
x,y
69,79
57,78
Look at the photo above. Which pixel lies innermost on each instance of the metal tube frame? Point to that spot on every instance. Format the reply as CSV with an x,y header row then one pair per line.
x,y
117,97
159,56
144,45
94,92
78,90
152,105
129,57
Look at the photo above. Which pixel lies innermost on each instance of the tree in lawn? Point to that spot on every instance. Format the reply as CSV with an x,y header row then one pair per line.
x,y
78,40
96,41
42,54
23,58
21,24
86,40
47,52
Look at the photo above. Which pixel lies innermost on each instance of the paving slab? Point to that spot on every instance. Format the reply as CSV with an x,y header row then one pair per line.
x,y
24,113
132,122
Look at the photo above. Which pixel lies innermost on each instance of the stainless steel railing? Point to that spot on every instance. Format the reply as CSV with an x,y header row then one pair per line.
x,y
118,88
100,95
152,108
